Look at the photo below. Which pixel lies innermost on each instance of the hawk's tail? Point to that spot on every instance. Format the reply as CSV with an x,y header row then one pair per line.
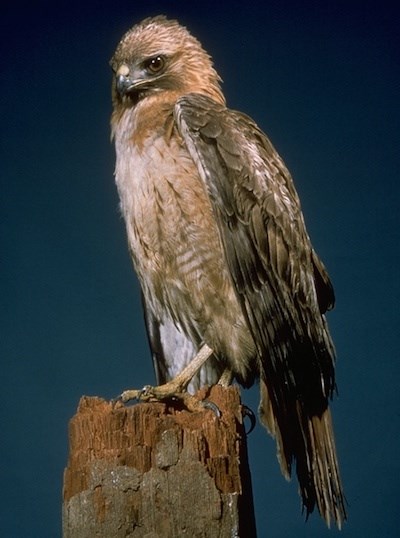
x,y
309,441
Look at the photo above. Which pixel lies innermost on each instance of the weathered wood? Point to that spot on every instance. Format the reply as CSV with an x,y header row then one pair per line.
x,y
153,471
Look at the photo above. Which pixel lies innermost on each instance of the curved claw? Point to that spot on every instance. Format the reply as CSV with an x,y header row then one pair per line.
x,y
214,408
247,412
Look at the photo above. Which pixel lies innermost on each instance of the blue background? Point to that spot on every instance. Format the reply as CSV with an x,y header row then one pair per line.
x,y
322,79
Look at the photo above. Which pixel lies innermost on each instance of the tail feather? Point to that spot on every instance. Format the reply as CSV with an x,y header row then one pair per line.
x,y
309,442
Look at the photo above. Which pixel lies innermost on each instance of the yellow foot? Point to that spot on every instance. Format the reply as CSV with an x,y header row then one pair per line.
x,y
175,389
168,392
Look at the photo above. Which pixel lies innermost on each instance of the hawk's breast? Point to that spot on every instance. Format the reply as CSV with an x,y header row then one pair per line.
x,y
174,240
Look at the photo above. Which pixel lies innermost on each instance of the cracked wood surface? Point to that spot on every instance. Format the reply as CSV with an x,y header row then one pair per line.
x,y
152,470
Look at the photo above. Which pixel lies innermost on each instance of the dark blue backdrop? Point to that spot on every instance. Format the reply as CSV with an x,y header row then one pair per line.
x,y
322,79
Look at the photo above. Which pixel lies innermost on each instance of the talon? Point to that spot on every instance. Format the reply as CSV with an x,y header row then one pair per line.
x,y
214,408
247,412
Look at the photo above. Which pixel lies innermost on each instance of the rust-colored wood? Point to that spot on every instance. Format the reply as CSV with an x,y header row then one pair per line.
x,y
151,470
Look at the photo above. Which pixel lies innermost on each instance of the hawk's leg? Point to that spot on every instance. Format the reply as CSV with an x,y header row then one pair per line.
x,y
226,378
174,388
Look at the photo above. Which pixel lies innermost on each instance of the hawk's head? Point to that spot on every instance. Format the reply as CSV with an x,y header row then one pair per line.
x,y
158,55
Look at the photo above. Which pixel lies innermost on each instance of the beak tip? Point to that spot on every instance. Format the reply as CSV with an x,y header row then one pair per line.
x,y
120,82
123,84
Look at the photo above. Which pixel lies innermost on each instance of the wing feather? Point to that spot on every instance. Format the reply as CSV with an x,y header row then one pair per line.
x,y
281,284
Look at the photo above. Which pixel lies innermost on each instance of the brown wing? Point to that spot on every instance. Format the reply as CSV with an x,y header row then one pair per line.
x,y
282,286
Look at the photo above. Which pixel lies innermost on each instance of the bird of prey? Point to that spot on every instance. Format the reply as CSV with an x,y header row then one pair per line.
x,y
231,285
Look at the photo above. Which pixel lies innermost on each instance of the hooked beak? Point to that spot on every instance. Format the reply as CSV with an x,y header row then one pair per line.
x,y
128,82
123,84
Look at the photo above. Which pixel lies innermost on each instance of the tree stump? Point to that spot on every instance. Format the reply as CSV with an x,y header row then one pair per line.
x,y
154,471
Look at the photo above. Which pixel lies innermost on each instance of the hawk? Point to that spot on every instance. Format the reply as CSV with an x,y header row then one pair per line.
x,y
232,287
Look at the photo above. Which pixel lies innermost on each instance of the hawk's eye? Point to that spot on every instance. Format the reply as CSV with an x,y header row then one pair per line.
x,y
155,65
